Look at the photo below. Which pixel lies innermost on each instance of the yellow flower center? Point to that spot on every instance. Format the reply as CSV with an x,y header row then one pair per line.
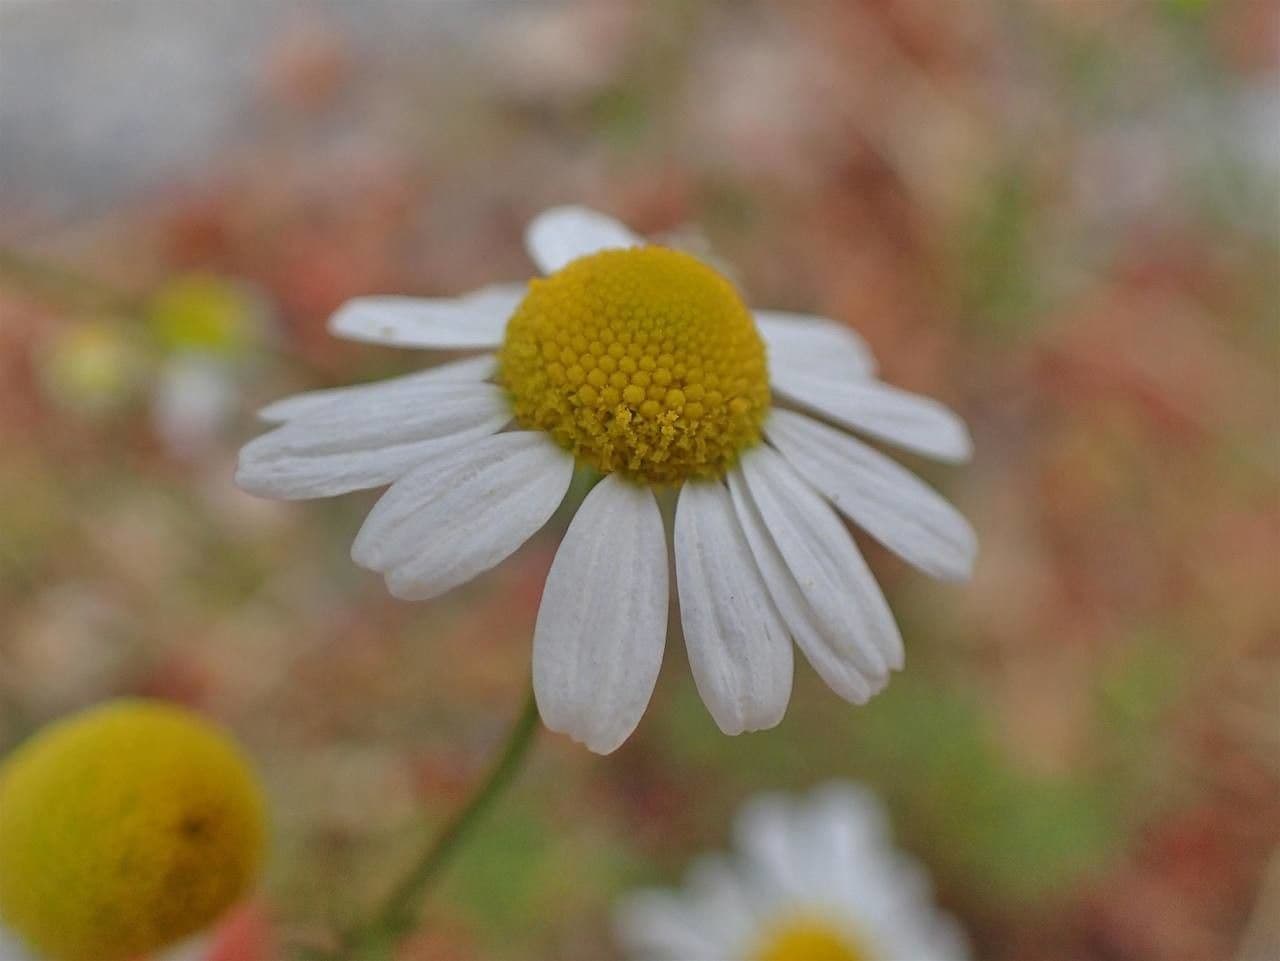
x,y
201,312
642,361
808,940
125,829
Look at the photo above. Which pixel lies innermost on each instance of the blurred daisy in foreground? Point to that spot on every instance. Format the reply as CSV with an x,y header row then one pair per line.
x,y
816,879
124,831
642,363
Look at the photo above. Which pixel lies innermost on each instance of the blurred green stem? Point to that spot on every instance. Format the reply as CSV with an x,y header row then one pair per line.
x,y
60,285
376,939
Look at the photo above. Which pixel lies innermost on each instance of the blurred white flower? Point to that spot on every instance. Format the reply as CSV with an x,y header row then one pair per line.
x,y
815,879
205,329
193,400
642,363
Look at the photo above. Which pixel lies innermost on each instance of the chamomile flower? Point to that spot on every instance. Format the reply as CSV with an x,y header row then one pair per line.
x,y
123,831
815,879
642,363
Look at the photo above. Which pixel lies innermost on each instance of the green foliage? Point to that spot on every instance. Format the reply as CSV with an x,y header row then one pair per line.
x,y
511,880
996,276
1186,9
1135,691
621,116
497,875
1020,834
957,796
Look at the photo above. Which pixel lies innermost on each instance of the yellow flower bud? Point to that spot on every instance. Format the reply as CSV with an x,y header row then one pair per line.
x,y
205,313
124,829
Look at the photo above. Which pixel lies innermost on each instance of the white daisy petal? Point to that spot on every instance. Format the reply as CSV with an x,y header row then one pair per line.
x,y
823,557
192,949
458,515
726,902
739,650
818,579
656,925
369,438
477,319
763,829
814,345
891,503
11,949
907,420
841,826
944,939
601,628
561,235
467,370
841,673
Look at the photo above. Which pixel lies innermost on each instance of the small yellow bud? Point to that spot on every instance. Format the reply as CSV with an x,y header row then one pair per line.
x,y
124,829
203,312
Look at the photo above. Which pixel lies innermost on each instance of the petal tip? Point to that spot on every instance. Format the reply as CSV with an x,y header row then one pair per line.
x,y
559,235
747,723
959,449
575,730
271,413
248,478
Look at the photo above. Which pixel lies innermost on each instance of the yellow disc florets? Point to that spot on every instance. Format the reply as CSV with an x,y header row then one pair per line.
x,y
642,361
805,940
124,829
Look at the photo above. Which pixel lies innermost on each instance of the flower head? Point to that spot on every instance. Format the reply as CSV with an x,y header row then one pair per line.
x,y
201,313
644,364
815,879
92,367
123,830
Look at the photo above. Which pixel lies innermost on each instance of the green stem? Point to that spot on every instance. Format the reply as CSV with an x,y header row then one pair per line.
x,y
61,285
396,916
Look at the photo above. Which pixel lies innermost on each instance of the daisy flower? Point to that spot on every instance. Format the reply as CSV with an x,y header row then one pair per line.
x,y
816,879
642,363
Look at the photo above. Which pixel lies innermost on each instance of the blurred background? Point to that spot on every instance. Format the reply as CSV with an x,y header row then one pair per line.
x,y
1062,217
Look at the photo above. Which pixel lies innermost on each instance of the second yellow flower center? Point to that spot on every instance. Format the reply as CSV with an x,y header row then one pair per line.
x,y
803,940
641,361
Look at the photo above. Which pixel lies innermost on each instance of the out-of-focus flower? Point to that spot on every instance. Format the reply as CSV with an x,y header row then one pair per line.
x,y
642,363
205,314
91,367
561,51
194,397
816,879
206,328
124,830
